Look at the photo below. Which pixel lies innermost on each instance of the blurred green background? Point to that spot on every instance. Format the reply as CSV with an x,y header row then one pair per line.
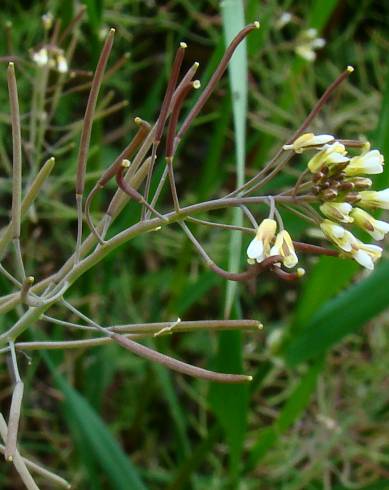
x,y
316,414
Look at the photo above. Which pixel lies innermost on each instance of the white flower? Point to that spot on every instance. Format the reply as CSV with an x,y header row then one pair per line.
x,y
41,57
374,199
284,19
307,44
62,64
376,228
339,235
366,254
259,247
284,247
47,20
306,52
368,163
308,141
338,211
329,155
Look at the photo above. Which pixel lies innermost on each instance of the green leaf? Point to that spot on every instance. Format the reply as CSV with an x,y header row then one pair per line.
x,y
325,279
97,438
341,316
291,411
230,403
233,22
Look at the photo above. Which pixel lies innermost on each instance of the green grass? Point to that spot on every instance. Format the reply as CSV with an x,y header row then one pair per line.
x,y
316,415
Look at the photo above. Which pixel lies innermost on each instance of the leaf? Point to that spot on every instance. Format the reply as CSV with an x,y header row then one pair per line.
x,y
341,316
230,403
324,280
291,411
97,438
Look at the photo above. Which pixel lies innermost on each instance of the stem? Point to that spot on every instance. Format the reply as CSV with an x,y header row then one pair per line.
x,y
130,191
251,231
231,276
215,78
307,121
86,134
18,462
143,131
152,328
166,104
167,361
14,412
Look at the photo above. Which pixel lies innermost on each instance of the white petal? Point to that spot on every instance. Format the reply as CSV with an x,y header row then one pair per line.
x,y
255,249
345,207
290,261
381,228
364,259
321,139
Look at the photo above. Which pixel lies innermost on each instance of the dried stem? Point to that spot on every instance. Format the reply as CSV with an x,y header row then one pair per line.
x,y
40,470
133,193
307,121
16,166
176,365
14,412
31,195
18,462
223,226
167,102
231,276
111,171
167,361
86,134
218,73
152,328
73,24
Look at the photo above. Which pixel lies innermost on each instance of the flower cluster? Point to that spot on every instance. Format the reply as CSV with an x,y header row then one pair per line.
x,y
344,193
339,185
269,243
53,58
308,43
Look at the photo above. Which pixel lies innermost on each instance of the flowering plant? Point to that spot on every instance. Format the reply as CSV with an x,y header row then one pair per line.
x,y
333,184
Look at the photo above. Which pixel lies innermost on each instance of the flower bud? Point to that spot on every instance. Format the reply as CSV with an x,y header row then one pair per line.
x,y
259,247
338,211
284,247
308,141
376,228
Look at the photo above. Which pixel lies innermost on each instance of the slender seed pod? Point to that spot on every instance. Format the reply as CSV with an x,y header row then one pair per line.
x,y
16,151
216,77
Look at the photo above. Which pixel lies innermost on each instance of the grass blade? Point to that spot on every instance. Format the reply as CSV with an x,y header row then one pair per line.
x,y
341,316
97,437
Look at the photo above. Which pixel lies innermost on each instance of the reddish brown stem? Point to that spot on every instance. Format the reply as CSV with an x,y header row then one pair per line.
x,y
72,25
285,276
169,91
111,171
90,109
314,249
130,191
215,77
171,132
176,365
321,102
250,273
